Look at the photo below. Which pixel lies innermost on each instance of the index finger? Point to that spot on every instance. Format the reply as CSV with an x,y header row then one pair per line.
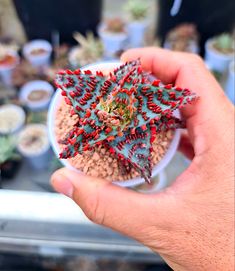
x,y
188,71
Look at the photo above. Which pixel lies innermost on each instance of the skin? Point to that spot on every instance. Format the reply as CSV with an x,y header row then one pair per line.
x,y
191,223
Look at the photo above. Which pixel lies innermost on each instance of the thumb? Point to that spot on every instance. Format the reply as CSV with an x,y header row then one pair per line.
x,y
104,203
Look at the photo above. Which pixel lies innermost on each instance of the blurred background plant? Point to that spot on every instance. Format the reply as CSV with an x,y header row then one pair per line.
x,y
89,50
115,25
137,9
224,43
8,149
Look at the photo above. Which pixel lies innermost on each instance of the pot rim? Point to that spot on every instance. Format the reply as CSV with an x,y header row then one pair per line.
x,y
13,65
30,86
127,183
45,148
22,115
209,47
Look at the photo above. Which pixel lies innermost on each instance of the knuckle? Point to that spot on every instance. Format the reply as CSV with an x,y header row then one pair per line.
x,y
195,59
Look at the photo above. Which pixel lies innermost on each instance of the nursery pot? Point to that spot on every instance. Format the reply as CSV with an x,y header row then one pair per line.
x,y
216,60
36,95
6,70
159,182
56,102
38,52
192,46
34,146
113,42
230,84
12,119
136,33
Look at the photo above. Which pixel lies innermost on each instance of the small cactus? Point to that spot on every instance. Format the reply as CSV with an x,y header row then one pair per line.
x,y
89,51
137,9
115,25
123,112
224,43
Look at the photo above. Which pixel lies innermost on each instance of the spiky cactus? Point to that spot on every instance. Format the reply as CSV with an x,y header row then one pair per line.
x,y
123,111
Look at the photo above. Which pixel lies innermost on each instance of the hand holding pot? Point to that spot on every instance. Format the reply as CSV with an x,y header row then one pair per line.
x,y
191,223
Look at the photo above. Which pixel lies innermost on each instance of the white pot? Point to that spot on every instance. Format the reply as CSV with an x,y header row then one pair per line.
x,y
159,183
230,84
113,42
56,100
215,60
7,70
12,118
136,33
37,159
40,59
192,48
36,85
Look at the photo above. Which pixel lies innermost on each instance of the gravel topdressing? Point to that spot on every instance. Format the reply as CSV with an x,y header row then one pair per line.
x,y
101,163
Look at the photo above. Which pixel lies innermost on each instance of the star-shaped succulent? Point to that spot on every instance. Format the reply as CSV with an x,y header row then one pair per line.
x,y
122,111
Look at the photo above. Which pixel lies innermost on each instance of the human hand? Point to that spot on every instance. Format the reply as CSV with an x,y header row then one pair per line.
x,y
191,223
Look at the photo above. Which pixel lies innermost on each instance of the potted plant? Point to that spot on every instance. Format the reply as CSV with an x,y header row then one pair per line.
x,y
12,119
9,59
138,11
33,145
219,52
10,160
184,38
113,34
229,87
38,53
114,122
36,95
89,50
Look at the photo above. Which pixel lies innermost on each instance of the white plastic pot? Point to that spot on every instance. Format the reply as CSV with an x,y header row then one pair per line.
x,y
136,33
159,183
56,100
7,70
37,159
39,60
113,42
192,48
215,60
32,86
230,84
12,118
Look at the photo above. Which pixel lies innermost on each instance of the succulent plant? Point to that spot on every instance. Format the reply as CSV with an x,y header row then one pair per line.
x,y
224,43
90,49
122,112
115,25
181,36
6,48
137,9
8,149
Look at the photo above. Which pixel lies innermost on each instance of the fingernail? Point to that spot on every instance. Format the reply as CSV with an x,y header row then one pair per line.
x,y
62,185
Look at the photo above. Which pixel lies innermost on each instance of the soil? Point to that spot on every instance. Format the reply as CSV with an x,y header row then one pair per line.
x,y
38,51
101,163
38,95
7,60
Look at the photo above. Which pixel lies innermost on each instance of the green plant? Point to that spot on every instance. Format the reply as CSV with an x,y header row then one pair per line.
x,y
7,149
122,112
137,9
224,43
115,25
90,48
